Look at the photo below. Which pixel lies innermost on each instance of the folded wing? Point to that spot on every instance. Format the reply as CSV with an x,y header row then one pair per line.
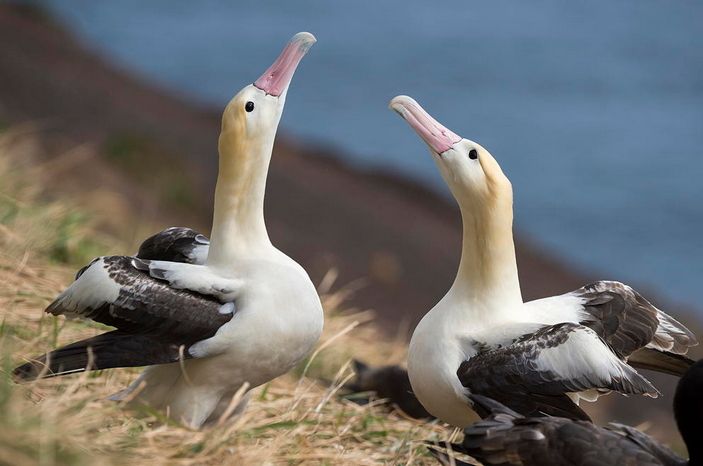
x,y
535,374
155,322
176,244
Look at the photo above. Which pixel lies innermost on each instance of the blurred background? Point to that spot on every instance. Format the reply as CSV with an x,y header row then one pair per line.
x,y
594,110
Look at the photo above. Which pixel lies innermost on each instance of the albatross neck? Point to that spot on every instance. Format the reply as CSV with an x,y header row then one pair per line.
x,y
488,269
238,227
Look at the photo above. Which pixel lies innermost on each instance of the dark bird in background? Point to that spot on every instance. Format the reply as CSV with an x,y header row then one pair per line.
x,y
390,383
505,437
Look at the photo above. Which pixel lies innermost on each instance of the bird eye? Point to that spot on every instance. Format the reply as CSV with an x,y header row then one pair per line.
x,y
473,155
249,107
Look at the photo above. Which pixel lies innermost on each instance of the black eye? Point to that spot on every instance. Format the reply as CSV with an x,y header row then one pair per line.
x,y
473,155
249,107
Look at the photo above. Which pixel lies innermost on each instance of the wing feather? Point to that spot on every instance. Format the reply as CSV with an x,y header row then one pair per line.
x,y
628,322
114,292
176,244
534,374
155,322
507,438
105,351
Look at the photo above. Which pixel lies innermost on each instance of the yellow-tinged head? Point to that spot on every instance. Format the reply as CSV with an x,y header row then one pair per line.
x,y
488,270
249,125
472,174
251,118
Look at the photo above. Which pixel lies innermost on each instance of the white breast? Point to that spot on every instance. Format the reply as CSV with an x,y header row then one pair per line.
x,y
434,357
277,322
441,342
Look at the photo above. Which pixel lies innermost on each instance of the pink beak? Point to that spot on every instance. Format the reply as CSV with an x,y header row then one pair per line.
x,y
439,138
279,75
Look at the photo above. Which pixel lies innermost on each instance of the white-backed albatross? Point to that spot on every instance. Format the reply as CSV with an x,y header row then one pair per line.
x,y
538,357
205,316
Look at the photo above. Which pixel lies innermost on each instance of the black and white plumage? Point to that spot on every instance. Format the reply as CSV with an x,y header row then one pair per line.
x,y
506,438
156,324
611,326
528,374
539,357
205,317
176,244
629,323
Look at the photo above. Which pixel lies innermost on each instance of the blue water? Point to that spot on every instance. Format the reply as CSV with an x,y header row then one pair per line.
x,y
594,109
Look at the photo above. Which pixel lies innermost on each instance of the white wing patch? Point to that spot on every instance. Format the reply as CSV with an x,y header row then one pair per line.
x,y
91,290
584,357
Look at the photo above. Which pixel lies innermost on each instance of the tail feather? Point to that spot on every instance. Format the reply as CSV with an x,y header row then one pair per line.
x,y
108,350
660,361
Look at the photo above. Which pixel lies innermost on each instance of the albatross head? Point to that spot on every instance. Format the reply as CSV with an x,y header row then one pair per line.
x,y
249,125
251,118
488,269
472,174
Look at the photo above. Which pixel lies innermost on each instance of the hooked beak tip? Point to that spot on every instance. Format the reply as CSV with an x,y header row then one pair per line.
x,y
305,39
438,137
278,76
399,104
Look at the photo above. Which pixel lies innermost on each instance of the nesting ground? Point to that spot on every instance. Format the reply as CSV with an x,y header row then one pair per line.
x,y
296,419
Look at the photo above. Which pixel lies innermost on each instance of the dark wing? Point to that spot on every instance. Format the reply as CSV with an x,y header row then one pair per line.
x,y
500,440
161,321
628,322
644,441
105,351
534,374
176,244
507,438
634,328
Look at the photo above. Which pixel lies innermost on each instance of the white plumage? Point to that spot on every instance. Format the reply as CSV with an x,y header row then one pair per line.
x,y
206,316
535,357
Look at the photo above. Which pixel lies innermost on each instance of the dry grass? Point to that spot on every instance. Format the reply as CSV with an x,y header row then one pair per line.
x,y
293,420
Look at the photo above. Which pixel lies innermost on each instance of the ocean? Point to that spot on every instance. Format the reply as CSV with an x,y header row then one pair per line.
x,y
594,109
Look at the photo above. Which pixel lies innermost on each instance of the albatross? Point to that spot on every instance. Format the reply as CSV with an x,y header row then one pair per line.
x,y
205,316
538,357
508,438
